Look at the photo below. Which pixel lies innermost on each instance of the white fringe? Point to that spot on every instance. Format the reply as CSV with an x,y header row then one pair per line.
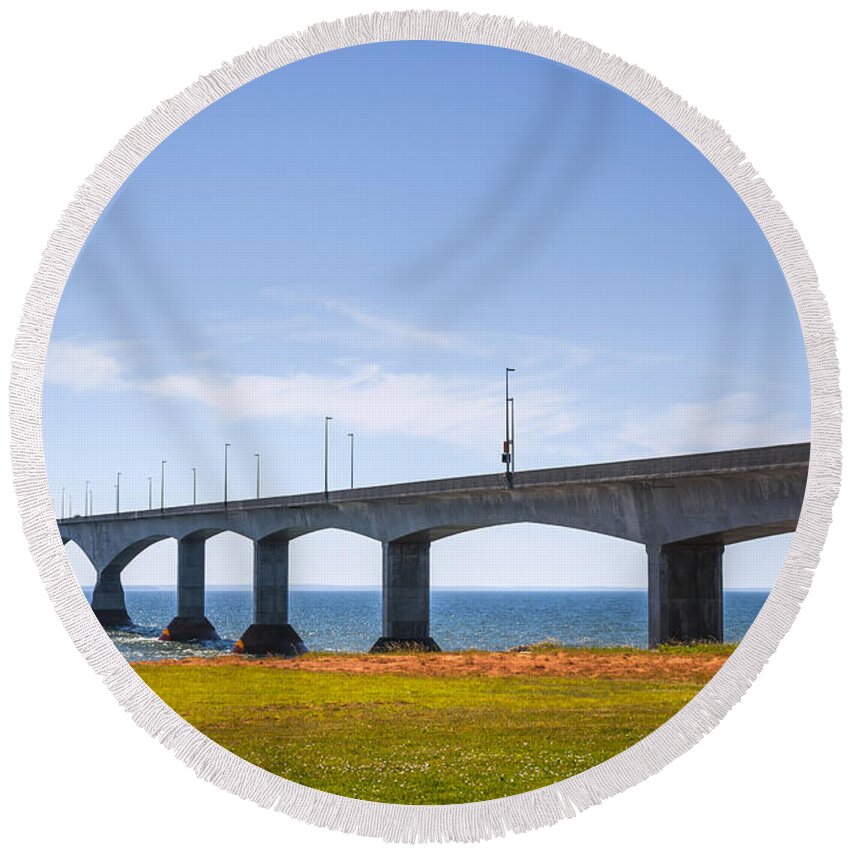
x,y
471,821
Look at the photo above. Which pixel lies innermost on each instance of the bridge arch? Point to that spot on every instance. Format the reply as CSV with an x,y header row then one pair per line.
x,y
82,566
122,559
276,555
563,582
611,512
334,556
228,553
339,558
571,557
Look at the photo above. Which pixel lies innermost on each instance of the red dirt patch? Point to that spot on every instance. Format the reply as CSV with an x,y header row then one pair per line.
x,y
571,663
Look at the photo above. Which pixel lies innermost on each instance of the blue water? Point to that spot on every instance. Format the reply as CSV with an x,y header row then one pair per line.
x,y
350,620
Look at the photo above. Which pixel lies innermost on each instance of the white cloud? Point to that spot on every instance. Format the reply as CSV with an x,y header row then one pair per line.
x,y
373,400
85,366
423,404
393,332
735,420
321,321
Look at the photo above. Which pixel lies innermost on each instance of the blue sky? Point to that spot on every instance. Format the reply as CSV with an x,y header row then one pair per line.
x,y
373,234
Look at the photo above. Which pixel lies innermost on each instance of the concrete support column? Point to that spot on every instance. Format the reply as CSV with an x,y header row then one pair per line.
x,y
108,599
190,578
191,622
406,600
271,633
685,593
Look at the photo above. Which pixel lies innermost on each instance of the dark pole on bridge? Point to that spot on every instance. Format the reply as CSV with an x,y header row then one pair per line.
x,y
118,493
150,493
513,438
351,440
194,485
226,447
162,485
327,419
508,446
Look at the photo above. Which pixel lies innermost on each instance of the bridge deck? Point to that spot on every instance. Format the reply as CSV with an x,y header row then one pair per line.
x,y
726,463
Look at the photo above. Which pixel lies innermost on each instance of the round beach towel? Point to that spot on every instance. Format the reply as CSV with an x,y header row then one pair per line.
x,y
426,424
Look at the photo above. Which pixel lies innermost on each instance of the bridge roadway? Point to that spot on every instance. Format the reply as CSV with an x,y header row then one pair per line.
x,y
684,509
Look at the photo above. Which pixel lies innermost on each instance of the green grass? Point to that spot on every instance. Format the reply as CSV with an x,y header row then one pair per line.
x,y
417,739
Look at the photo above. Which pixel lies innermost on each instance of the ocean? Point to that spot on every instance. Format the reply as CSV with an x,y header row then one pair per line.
x,y
350,620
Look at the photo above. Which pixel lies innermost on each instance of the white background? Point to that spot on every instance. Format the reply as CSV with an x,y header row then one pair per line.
x,y
76,769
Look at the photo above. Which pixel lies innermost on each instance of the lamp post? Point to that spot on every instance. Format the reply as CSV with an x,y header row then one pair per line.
x,y
150,493
194,486
513,437
226,447
327,419
351,453
118,493
508,446
257,455
91,501
162,485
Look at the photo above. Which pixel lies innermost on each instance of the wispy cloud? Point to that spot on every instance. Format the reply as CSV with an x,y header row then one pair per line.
x,y
371,399
735,420
86,366
423,404
323,321
339,329
395,332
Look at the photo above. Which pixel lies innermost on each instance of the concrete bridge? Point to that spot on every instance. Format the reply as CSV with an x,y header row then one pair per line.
x,y
683,509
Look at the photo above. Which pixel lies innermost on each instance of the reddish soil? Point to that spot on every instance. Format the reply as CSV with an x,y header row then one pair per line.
x,y
573,663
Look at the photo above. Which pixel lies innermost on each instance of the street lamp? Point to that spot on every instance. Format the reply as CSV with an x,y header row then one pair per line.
x,y
327,419
194,486
150,493
257,455
162,485
91,501
351,441
118,493
226,447
508,444
513,437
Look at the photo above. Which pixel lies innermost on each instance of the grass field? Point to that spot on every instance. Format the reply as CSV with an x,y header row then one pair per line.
x,y
448,728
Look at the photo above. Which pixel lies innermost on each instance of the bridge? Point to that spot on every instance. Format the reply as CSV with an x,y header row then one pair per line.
x,y
684,509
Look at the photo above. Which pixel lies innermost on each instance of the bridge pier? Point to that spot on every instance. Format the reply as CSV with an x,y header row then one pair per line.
x,y
108,599
191,622
406,597
685,593
271,632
